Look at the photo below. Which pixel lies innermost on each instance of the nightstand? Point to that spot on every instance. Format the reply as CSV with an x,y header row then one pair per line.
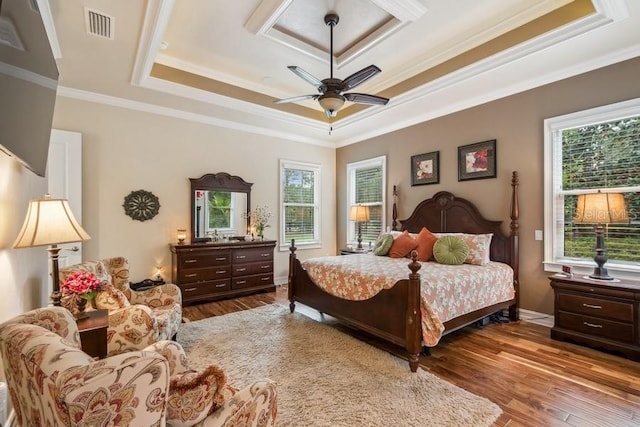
x,y
598,313
93,333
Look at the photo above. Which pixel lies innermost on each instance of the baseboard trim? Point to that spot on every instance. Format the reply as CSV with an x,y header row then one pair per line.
x,y
537,318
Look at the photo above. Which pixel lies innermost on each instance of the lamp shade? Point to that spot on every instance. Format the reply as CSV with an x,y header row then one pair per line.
x,y
49,222
331,103
601,208
359,213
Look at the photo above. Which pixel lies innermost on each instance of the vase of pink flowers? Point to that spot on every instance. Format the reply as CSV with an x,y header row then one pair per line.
x,y
84,285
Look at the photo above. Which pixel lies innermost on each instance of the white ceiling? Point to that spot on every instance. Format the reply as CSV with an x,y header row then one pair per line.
x,y
237,54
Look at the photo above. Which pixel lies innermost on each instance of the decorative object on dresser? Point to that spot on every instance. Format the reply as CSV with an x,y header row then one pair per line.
x,y
220,203
181,235
425,168
599,314
598,209
477,161
141,205
209,271
359,214
50,222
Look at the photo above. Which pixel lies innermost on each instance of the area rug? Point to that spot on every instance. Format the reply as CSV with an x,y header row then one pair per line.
x,y
326,377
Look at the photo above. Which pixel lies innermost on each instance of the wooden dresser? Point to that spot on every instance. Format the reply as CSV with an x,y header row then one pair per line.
x,y
597,313
210,271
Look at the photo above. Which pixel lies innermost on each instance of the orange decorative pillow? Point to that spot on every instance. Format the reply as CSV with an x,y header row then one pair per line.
x,y
402,245
426,240
111,298
194,395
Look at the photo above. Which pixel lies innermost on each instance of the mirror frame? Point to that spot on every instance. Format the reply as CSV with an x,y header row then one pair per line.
x,y
220,181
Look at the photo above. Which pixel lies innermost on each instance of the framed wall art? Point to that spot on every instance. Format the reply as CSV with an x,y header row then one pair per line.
x,y
477,161
425,168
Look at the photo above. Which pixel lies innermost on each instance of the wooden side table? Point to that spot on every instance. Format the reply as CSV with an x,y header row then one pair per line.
x,y
93,333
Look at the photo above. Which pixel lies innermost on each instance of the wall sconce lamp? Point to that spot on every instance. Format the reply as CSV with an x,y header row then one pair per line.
x,y
181,234
50,222
600,208
359,214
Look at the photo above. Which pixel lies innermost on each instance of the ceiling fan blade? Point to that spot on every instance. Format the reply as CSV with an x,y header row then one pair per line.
x,y
296,99
359,77
306,76
363,98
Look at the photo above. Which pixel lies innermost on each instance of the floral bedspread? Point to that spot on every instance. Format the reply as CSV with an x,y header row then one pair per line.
x,y
446,291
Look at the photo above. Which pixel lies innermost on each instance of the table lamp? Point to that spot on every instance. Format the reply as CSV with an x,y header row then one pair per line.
x,y
50,222
359,214
600,208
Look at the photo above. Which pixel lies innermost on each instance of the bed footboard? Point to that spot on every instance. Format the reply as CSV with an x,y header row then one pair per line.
x,y
392,315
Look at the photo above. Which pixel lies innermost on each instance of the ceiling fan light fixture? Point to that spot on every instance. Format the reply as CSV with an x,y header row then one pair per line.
x,y
331,102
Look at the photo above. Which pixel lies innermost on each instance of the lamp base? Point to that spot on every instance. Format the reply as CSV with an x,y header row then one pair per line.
x,y
600,273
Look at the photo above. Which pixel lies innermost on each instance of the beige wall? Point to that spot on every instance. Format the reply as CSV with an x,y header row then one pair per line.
x,y
126,150
516,123
22,271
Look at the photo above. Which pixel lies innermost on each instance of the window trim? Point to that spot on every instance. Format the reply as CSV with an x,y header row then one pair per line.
x,y
553,181
351,193
317,226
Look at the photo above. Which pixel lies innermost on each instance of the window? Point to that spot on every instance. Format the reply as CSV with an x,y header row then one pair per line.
x,y
366,182
300,200
586,152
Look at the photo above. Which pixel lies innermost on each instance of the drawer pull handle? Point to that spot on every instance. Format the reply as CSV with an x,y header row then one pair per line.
x,y
190,289
221,285
265,255
191,275
592,325
190,261
221,258
241,269
241,256
241,282
221,271
596,307
264,278
265,266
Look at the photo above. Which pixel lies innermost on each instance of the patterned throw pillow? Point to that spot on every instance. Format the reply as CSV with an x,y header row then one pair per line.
x,y
383,244
402,245
194,395
426,240
111,298
479,246
450,250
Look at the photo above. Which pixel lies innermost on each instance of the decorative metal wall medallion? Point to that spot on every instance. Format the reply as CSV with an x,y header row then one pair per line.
x,y
141,205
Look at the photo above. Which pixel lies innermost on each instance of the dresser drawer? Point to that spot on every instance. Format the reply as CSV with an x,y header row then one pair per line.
x,y
194,290
598,307
616,331
252,255
251,268
204,274
251,281
207,259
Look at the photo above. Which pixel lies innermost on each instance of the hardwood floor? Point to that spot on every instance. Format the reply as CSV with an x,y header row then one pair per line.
x,y
535,380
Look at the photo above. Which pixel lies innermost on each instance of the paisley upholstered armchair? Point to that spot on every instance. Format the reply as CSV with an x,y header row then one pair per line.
x,y
136,318
53,382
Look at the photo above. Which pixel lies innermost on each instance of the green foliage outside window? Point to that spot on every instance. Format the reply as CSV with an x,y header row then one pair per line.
x,y
219,210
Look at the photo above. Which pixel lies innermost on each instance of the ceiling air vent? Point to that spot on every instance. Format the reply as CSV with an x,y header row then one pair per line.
x,y
99,24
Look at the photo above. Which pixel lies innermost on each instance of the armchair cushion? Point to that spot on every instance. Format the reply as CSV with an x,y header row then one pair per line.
x,y
194,395
110,298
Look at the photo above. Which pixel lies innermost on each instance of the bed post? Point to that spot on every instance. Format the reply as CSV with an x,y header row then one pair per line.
x,y
513,241
291,279
394,213
413,324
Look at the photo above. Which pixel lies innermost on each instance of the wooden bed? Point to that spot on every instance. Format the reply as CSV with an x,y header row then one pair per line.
x,y
394,314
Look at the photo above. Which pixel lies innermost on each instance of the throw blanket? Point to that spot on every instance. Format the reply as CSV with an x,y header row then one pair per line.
x,y
446,291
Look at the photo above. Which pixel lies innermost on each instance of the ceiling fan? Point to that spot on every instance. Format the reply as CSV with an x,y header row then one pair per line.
x,y
331,96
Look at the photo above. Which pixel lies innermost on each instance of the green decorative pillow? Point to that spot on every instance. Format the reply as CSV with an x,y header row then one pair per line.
x,y
383,244
450,250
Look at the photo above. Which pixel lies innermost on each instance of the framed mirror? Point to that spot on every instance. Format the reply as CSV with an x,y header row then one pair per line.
x,y
220,205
